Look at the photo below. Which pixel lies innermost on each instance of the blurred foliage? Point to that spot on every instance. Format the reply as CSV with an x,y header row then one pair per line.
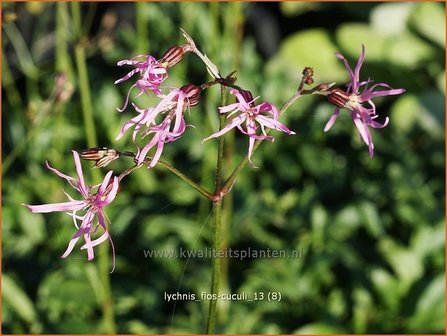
x,y
372,232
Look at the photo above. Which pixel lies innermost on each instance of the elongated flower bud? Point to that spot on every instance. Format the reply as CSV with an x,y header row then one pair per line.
x,y
338,97
172,56
192,93
248,97
102,155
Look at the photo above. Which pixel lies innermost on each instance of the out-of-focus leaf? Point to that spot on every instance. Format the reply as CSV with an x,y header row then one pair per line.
x,y
433,116
292,9
138,327
183,194
63,292
406,263
362,309
318,220
441,81
371,219
428,18
92,275
18,300
299,50
391,18
35,8
428,240
405,113
351,37
122,218
430,309
337,303
408,50
345,223
388,288
410,110
32,225
160,227
319,329
106,102
288,200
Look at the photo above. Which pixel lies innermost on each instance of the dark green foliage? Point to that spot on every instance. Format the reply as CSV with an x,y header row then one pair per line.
x,y
371,231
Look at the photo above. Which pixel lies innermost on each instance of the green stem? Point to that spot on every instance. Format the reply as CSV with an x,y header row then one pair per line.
x,y
11,91
62,54
233,34
87,110
209,102
220,149
92,154
230,180
186,179
63,65
142,28
86,100
217,223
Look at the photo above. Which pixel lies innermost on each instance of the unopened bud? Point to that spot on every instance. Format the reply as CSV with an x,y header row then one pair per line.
x,y
338,97
102,155
308,74
172,56
246,95
323,89
192,93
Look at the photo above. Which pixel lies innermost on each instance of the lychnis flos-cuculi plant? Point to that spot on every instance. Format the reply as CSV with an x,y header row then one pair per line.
x,y
164,123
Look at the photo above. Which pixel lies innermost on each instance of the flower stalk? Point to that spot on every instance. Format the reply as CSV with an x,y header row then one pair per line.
x,y
217,223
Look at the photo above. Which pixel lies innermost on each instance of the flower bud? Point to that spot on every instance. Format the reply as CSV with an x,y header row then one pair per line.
x,y
248,97
102,155
172,56
192,93
338,97
308,74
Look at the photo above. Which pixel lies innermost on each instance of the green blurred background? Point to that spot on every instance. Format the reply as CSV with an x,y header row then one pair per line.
x,y
372,230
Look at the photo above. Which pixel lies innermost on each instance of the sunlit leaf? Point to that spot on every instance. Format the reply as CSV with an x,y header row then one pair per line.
x,y
430,309
18,300
429,20
315,49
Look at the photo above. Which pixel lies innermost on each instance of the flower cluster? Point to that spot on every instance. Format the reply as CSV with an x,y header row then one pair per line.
x,y
174,104
172,107
165,123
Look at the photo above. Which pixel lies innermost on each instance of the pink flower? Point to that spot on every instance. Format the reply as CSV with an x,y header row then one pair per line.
x,y
173,125
152,74
265,114
91,205
352,99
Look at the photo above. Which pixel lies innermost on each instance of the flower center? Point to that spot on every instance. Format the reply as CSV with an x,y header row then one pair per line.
x,y
341,98
353,102
250,113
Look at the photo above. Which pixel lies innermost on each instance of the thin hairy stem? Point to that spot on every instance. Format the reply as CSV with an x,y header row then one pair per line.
x,y
217,224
